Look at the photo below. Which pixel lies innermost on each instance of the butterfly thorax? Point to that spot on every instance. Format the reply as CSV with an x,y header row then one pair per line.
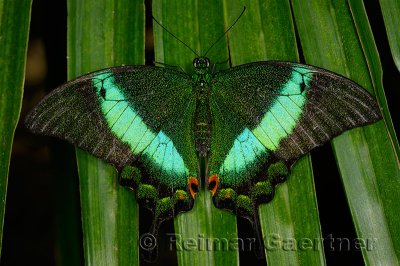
x,y
202,120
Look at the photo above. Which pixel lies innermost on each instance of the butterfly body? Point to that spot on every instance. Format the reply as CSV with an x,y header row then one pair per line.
x,y
203,122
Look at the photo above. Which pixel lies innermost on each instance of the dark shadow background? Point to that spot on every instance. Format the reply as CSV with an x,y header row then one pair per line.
x,y
42,211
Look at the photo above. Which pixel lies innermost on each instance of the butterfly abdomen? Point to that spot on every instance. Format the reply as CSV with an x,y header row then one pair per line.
x,y
202,123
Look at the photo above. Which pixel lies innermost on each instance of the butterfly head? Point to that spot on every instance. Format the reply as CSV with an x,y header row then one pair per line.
x,y
201,64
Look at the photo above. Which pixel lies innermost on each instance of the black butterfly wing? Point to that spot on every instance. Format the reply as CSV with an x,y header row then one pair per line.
x,y
131,115
268,114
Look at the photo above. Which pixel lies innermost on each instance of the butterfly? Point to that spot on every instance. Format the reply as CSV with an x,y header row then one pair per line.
x,y
249,124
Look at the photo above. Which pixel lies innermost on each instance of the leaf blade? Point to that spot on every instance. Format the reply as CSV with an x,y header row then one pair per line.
x,y
366,156
391,17
280,218
14,31
100,35
204,219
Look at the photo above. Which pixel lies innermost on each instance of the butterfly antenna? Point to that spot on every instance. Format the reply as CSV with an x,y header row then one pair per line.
x,y
222,35
173,35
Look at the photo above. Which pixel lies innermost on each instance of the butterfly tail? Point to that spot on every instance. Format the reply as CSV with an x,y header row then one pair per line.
x,y
149,243
259,242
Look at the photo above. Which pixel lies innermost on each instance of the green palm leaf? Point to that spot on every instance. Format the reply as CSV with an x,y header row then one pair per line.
x,y
103,34
292,215
14,28
204,221
366,156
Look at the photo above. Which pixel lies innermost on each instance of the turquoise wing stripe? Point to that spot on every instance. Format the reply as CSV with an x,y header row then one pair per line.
x,y
123,120
240,162
160,151
272,129
279,121
246,152
168,160
129,127
251,147
178,166
291,104
229,163
163,153
157,151
138,135
282,117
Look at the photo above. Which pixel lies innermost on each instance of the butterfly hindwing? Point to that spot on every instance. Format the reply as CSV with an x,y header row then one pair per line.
x,y
130,115
268,114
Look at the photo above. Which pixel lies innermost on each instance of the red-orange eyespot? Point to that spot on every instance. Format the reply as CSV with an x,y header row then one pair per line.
x,y
213,183
193,185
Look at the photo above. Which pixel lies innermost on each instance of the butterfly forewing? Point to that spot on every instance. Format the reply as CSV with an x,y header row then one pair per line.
x,y
124,115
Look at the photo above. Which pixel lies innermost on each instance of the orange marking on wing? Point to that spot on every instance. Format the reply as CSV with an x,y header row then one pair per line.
x,y
193,184
213,183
